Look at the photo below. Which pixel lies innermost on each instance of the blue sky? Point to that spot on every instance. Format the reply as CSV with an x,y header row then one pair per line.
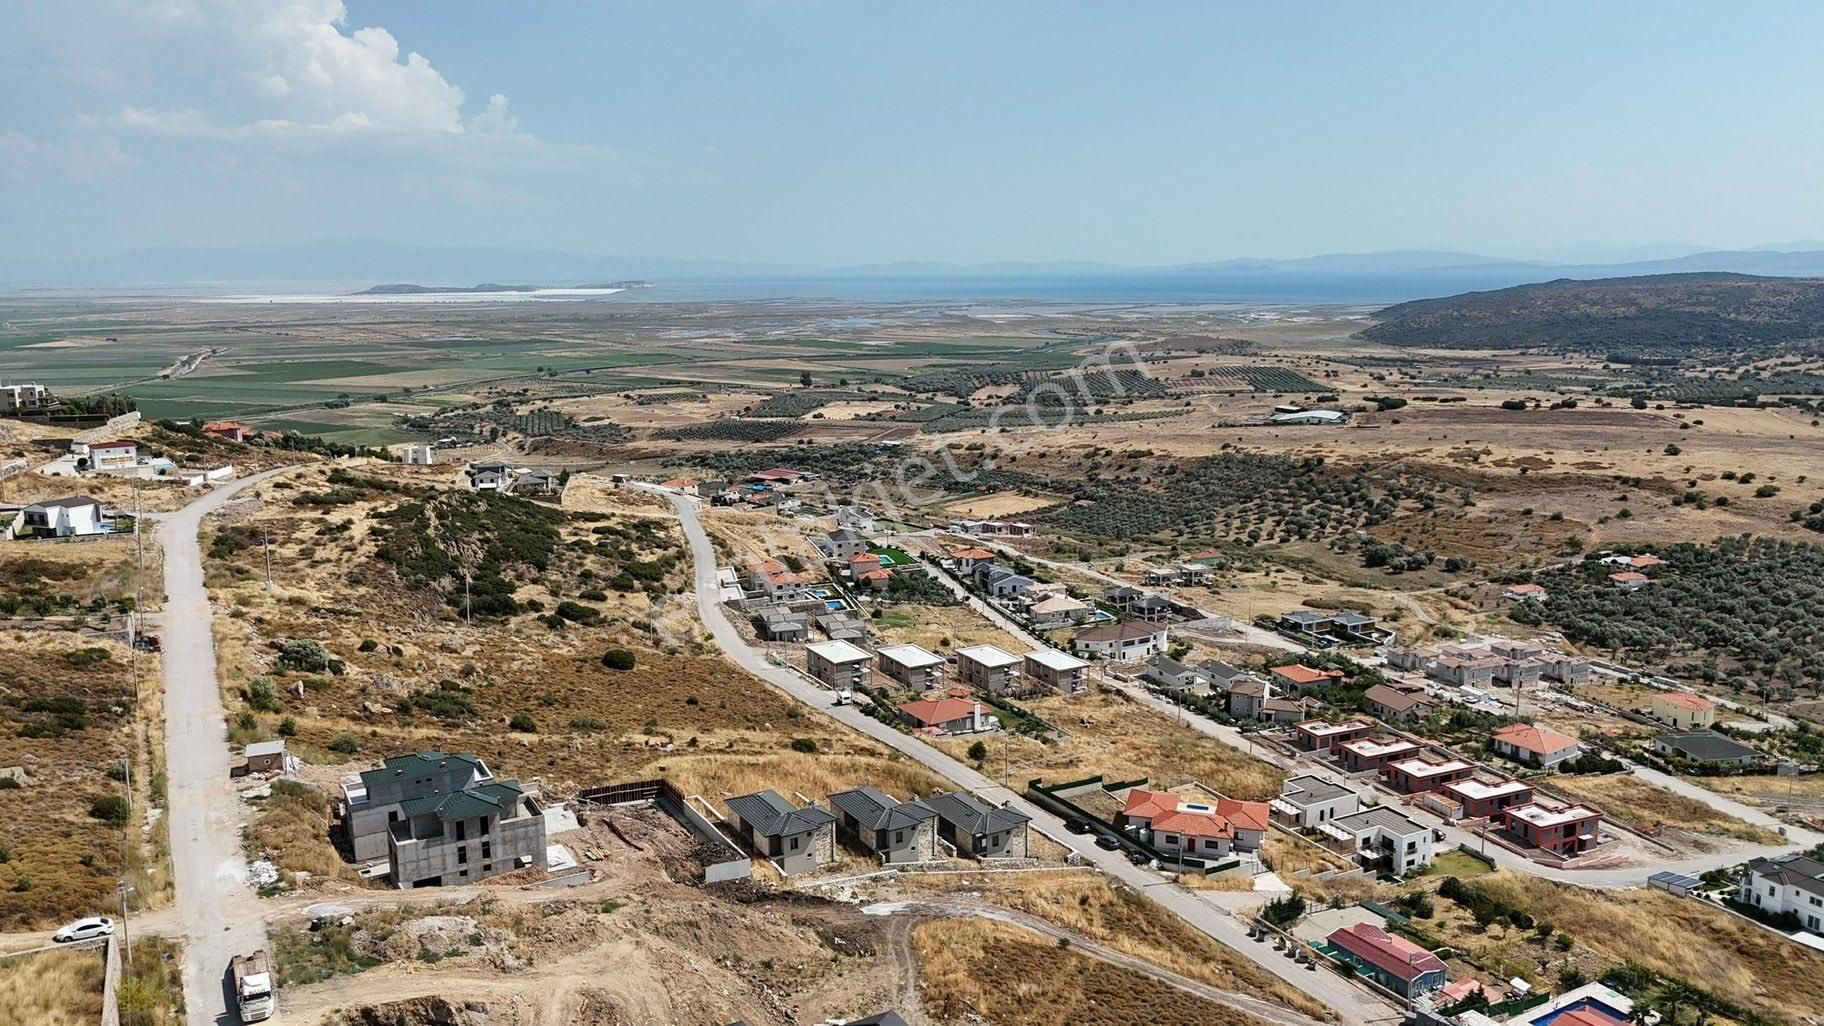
x,y
813,132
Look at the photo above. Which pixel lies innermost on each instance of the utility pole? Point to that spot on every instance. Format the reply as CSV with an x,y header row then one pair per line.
x,y
126,935
466,616
266,550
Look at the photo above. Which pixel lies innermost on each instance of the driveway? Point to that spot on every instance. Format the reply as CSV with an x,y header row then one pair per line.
x,y
219,912
1352,1003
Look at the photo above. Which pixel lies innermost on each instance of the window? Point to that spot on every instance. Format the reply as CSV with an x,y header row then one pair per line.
x,y
794,844
487,849
462,830
462,857
1171,838
487,822
899,837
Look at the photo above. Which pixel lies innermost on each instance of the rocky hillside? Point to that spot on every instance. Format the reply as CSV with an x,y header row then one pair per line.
x,y
1667,315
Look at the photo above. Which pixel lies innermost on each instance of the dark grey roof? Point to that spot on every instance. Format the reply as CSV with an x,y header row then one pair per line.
x,y
1672,879
1304,790
1220,670
401,764
970,815
1706,746
71,502
1305,616
1122,591
876,810
772,816
1354,619
1380,816
468,803
886,1018
1169,667
846,535
1152,602
1807,874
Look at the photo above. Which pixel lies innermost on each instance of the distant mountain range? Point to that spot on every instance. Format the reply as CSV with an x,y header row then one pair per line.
x,y
1663,314
351,264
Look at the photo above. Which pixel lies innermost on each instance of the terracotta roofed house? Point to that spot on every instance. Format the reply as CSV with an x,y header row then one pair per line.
x,y
1398,703
1176,826
1628,580
947,714
1392,961
1298,675
1534,745
1683,710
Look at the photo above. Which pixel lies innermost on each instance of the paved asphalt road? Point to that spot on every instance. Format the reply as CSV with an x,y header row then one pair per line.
x,y
219,912
1354,1004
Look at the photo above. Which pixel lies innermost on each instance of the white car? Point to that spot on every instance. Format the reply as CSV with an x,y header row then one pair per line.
x,y
84,929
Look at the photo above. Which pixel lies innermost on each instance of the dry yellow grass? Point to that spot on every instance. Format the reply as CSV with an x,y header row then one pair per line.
x,y
718,776
992,972
1697,942
57,988
1125,921
1632,800
999,504
1110,734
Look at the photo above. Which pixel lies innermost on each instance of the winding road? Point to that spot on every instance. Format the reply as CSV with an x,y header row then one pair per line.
x,y
1353,1004
216,911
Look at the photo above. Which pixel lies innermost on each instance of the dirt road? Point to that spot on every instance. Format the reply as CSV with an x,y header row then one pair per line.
x,y
219,912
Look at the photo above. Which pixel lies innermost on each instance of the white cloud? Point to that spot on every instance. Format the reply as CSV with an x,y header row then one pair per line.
x,y
293,67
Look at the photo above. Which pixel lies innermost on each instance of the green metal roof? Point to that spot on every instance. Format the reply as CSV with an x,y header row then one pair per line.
x,y
482,800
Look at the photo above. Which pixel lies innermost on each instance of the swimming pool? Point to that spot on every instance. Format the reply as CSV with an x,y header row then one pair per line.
x,y
834,605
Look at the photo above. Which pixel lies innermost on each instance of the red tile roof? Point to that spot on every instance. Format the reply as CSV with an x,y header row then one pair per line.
x,y
118,443
876,575
1388,952
1299,673
933,711
972,554
1167,811
1538,740
1696,703
1588,1016
1628,577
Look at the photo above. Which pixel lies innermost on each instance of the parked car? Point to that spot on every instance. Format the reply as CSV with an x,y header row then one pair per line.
x,y
1108,842
1077,825
84,929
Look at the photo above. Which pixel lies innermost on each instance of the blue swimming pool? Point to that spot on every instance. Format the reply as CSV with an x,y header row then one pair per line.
x,y
835,604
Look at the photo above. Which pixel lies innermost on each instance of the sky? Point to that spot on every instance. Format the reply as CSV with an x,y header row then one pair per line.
x,y
797,131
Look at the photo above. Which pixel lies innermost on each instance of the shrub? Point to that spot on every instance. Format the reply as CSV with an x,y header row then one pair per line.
x,y
978,752
805,745
111,809
263,694
288,727
83,658
587,723
618,659
523,723
345,744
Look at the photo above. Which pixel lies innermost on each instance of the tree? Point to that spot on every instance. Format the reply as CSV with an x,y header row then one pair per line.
x,y
523,723
804,379
288,727
618,659
978,753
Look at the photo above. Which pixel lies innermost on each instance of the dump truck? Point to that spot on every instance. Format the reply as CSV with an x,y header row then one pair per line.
x,y
253,996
